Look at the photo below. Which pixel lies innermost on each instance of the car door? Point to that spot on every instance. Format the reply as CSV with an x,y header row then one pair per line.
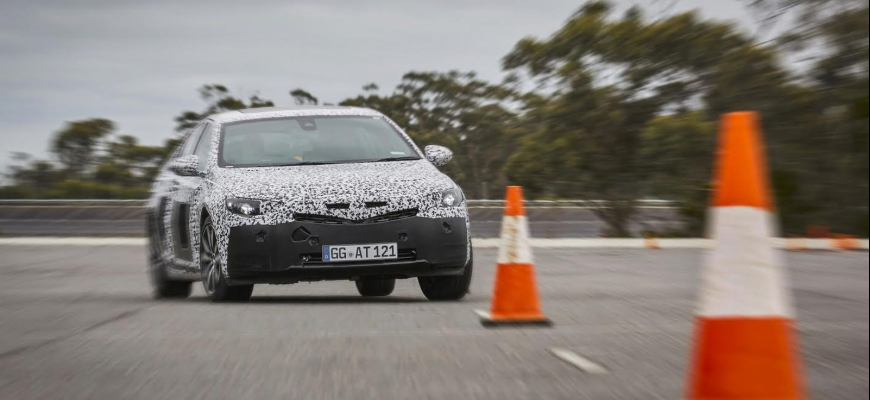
x,y
183,189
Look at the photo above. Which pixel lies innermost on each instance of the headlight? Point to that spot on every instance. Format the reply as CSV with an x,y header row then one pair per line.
x,y
243,207
451,198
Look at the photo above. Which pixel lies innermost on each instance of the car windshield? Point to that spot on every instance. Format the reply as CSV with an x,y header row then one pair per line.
x,y
312,140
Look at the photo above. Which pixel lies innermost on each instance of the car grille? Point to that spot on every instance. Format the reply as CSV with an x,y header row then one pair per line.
x,y
345,206
317,259
338,206
333,220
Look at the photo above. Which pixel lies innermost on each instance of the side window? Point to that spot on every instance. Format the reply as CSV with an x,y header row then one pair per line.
x,y
203,148
182,146
190,144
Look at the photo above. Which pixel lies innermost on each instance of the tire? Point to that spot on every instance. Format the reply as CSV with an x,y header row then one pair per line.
x,y
375,287
163,287
448,288
213,280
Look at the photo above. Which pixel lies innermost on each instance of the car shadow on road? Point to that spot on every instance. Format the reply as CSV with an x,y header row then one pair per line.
x,y
313,299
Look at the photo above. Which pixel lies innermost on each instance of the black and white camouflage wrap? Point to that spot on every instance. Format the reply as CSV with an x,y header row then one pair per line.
x,y
284,191
184,166
438,155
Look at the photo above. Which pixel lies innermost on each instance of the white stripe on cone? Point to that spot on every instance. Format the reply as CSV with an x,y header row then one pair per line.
x,y
514,247
744,275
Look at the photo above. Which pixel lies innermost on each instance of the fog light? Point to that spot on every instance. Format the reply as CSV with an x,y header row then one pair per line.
x,y
243,207
447,228
451,198
314,241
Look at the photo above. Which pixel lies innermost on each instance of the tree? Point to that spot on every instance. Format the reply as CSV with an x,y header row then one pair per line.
x,y
824,150
807,14
301,97
600,81
94,163
394,106
76,144
218,99
140,162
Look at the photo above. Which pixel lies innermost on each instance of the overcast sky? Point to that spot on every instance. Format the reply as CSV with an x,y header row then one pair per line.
x,y
139,63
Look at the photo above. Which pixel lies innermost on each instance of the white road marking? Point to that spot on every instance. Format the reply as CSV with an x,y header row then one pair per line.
x,y
577,361
74,241
482,243
86,221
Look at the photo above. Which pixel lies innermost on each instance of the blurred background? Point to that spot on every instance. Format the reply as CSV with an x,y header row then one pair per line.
x,y
599,100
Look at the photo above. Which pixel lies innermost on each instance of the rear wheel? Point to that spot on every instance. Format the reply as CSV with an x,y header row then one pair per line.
x,y
163,287
375,287
213,280
447,288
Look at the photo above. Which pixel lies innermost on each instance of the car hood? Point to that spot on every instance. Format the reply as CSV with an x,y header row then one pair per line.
x,y
310,188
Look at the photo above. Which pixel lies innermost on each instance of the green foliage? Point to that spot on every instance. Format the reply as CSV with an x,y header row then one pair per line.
x,y
76,143
302,97
590,127
792,208
861,109
93,163
670,144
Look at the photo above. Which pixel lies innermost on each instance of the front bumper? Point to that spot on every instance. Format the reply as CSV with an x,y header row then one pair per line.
x,y
291,252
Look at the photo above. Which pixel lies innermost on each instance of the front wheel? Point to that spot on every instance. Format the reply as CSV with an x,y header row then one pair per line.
x,y
447,288
213,280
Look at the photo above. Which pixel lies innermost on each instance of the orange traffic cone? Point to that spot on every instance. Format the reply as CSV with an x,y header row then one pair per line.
x,y
744,345
515,297
844,243
651,241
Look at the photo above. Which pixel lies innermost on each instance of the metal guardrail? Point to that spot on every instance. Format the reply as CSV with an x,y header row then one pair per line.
x,y
73,202
643,203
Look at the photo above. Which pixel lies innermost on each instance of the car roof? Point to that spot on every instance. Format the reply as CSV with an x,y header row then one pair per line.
x,y
291,108
278,112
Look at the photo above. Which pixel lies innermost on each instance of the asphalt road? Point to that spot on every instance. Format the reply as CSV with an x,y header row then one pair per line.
x,y
78,323
129,221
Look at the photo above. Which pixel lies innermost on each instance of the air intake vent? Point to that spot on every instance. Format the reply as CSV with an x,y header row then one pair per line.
x,y
300,234
375,204
320,219
332,220
338,206
401,214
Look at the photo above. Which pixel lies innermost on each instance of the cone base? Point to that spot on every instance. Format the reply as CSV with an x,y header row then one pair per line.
x,y
744,358
487,320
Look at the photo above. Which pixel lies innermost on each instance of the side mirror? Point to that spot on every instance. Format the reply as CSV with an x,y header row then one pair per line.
x,y
185,165
438,155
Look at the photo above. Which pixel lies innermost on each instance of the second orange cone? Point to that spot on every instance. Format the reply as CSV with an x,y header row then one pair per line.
x,y
515,296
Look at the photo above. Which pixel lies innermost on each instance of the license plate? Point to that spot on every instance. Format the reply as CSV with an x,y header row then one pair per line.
x,y
359,252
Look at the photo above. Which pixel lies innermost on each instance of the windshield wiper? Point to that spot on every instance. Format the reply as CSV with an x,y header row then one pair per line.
x,y
403,158
301,163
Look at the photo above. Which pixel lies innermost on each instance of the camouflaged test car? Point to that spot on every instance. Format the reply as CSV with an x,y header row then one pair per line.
x,y
283,195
